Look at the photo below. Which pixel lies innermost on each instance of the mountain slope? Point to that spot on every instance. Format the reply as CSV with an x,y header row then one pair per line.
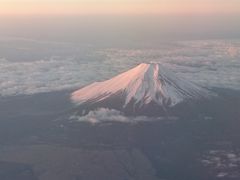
x,y
143,85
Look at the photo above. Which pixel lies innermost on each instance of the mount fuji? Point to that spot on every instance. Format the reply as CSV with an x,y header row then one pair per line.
x,y
147,89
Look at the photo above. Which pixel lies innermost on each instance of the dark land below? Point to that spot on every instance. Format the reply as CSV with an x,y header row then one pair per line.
x,y
38,141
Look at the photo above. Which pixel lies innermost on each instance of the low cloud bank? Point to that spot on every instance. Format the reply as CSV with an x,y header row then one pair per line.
x,y
110,115
208,63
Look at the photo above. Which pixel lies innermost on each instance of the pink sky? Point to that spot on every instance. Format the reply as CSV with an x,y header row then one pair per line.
x,y
45,7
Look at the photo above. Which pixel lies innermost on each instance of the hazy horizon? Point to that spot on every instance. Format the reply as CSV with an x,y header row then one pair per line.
x,y
120,22
126,30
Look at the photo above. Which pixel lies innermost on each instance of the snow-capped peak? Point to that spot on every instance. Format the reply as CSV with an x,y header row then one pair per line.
x,y
146,83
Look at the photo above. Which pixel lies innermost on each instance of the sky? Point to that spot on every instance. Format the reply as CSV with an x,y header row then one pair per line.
x,y
46,7
119,22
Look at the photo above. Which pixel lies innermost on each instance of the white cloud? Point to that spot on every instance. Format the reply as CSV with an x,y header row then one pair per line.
x,y
43,76
111,115
210,63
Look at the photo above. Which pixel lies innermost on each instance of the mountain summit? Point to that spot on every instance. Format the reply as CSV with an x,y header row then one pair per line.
x,y
148,84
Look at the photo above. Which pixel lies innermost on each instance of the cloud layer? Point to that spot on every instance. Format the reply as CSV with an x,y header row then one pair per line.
x,y
210,63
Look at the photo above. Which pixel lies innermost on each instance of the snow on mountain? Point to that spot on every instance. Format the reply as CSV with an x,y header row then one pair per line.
x,y
146,83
